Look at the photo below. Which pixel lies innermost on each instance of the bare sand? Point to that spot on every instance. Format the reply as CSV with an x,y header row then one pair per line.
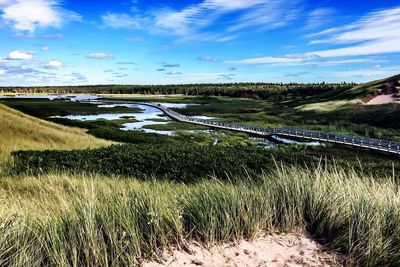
x,y
382,99
269,250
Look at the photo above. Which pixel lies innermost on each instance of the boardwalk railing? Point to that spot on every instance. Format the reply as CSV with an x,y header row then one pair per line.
x,y
358,141
350,140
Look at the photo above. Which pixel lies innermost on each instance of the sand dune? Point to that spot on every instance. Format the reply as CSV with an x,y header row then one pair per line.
x,y
19,131
271,250
382,99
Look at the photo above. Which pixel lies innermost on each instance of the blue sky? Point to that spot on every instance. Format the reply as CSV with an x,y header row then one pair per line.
x,y
70,42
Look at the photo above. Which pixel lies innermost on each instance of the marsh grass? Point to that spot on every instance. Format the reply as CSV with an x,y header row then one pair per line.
x,y
64,220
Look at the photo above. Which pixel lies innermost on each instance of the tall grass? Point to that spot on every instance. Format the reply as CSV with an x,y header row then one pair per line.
x,y
63,220
22,132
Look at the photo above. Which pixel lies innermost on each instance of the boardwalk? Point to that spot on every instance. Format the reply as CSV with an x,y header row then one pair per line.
x,y
355,141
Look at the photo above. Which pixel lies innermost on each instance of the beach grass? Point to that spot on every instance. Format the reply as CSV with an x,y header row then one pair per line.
x,y
23,132
80,220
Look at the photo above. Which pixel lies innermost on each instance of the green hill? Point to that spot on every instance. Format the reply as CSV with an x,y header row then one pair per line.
x,y
23,132
373,88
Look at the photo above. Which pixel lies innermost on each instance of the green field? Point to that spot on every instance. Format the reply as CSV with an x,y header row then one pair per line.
x,y
133,194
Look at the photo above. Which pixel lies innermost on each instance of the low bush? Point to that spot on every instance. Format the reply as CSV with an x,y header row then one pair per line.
x,y
180,161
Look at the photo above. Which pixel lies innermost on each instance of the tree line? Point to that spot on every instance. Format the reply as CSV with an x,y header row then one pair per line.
x,y
250,90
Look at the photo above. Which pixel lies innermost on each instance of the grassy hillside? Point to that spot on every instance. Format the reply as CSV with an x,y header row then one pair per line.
x,y
341,98
22,132
374,86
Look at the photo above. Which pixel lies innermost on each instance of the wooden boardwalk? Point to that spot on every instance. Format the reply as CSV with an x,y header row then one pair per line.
x,y
350,140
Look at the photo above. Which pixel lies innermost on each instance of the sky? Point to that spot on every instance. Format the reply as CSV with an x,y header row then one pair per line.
x,y
70,42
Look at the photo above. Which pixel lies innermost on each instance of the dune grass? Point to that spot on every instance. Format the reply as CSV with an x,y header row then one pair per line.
x,y
328,106
64,220
22,132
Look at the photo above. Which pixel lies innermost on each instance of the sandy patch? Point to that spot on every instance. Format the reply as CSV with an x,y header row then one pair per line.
x,y
329,105
381,99
272,250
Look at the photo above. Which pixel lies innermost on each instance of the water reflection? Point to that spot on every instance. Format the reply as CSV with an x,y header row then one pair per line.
x,y
146,116
290,141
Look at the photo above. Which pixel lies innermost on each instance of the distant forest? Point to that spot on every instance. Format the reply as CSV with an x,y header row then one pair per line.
x,y
250,90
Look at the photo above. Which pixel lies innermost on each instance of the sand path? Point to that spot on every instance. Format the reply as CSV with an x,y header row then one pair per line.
x,y
271,250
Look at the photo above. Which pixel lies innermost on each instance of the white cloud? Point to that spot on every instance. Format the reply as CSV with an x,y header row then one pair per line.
x,y
208,58
136,39
200,15
27,15
23,36
45,48
120,75
4,2
318,17
267,15
100,56
170,65
274,60
23,75
126,63
173,72
296,60
375,33
227,76
383,46
20,55
193,21
208,37
57,36
374,25
297,74
54,64
369,73
345,61
117,21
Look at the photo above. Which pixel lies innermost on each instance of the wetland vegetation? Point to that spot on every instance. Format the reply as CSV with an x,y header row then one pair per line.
x,y
134,193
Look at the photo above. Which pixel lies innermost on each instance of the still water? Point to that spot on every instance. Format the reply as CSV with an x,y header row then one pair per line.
x,y
145,116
